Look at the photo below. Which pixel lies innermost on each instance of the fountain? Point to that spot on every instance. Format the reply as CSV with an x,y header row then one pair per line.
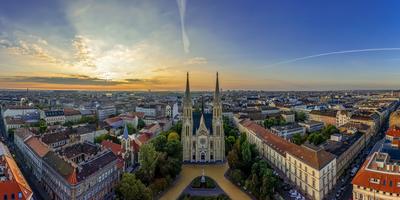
x,y
203,179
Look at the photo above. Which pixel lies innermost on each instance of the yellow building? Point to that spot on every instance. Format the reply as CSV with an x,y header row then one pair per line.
x,y
312,170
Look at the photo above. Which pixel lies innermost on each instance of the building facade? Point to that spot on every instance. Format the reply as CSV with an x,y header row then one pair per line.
x,y
311,169
379,177
202,133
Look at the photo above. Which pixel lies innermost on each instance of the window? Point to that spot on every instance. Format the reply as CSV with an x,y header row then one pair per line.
x,y
12,196
194,157
374,180
5,197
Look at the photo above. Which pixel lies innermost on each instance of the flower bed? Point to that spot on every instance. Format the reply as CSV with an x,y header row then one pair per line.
x,y
189,197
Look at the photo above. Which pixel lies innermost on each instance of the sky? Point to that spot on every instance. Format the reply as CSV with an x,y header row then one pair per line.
x,y
151,44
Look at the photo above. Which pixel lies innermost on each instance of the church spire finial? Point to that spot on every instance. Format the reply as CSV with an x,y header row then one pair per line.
x,y
216,94
202,104
187,91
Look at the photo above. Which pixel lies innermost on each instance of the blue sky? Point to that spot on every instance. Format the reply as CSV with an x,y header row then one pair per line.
x,y
253,44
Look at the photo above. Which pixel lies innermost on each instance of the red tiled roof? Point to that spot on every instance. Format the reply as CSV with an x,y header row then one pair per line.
x,y
394,132
364,176
37,146
135,146
17,184
112,120
72,178
143,138
71,112
114,147
120,163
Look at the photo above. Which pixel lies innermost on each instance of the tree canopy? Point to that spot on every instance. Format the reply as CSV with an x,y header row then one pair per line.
x,y
131,188
270,122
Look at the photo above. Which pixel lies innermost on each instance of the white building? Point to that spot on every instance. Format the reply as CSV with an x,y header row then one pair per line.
x,y
312,126
311,169
289,117
54,116
106,111
287,131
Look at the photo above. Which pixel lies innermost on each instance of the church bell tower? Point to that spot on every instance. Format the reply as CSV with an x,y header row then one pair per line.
x,y
218,128
187,122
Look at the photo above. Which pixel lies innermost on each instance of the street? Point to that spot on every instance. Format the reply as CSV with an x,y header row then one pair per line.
x,y
38,193
344,188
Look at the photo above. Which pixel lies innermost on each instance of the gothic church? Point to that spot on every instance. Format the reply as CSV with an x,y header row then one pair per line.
x,y
202,133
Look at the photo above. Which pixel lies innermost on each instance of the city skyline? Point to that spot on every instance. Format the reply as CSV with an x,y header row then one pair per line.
x,y
142,45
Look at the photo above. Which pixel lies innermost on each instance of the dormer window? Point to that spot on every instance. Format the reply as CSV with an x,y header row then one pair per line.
x,y
374,180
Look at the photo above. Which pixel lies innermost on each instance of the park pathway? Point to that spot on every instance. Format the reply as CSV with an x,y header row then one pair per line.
x,y
216,172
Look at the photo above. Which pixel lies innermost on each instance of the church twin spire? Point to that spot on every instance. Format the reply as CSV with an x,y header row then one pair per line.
x,y
187,91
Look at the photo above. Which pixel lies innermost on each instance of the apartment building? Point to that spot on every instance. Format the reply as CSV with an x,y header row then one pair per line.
x,y
13,185
311,169
346,147
54,116
312,126
379,176
328,117
287,131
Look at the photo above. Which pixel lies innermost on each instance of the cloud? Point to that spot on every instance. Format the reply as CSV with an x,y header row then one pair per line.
x,y
185,38
76,79
5,43
196,61
32,49
333,53
82,52
64,80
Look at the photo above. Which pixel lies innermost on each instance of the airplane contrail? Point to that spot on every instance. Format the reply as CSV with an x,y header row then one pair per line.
x,y
182,11
333,53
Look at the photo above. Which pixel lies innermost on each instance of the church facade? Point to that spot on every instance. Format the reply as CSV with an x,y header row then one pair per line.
x,y
202,133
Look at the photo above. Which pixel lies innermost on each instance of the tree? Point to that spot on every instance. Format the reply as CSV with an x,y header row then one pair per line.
x,y
68,124
233,159
42,126
316,138
131,188
246,152
131,129
174,148
173,136
103,137
177,127
159,142
237,176
88,119
329,130
141,124
268,123
229,142
300,116
148,161
299,139
158,185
